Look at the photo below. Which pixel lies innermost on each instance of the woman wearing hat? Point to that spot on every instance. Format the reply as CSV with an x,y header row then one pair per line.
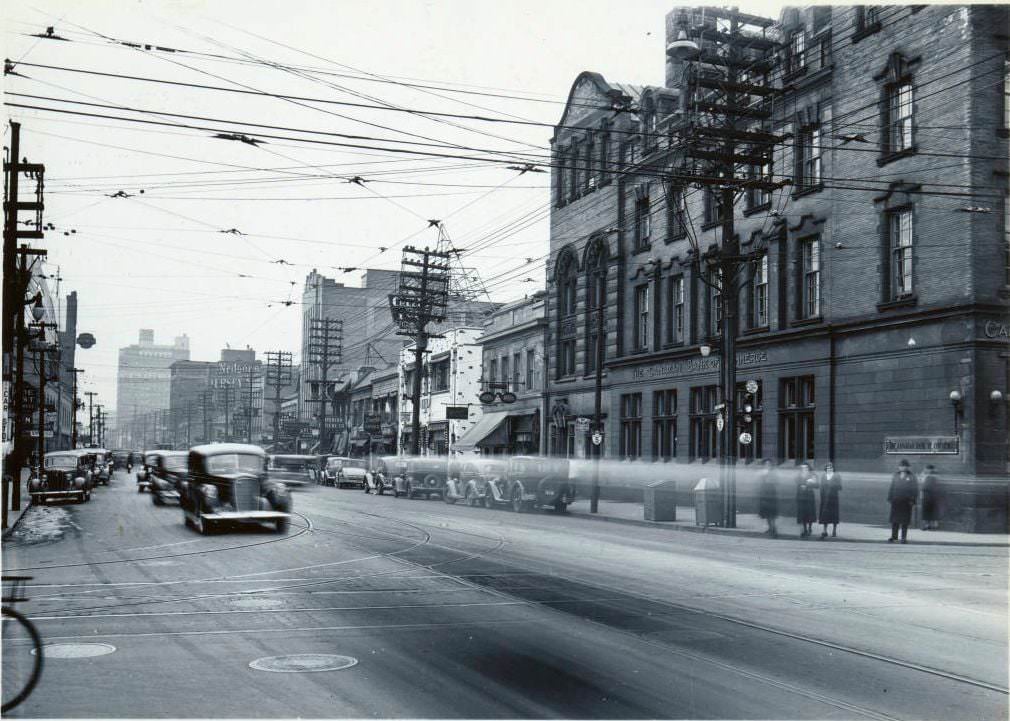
x,y
902,494
930,499
830,487
806,499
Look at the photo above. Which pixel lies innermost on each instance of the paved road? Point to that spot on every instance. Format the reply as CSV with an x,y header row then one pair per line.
x,y
463,612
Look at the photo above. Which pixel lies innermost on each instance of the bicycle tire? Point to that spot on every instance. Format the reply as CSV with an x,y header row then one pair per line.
x,y
36,665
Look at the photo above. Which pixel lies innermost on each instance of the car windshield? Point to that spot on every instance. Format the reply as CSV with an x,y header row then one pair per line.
x,y
334,462
61,461
289,464
355,463
232,462
100,457
175,463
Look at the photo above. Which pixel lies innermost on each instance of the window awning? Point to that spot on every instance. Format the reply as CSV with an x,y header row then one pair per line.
x,y
488,424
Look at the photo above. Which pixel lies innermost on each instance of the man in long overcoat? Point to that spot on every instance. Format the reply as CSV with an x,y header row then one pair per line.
x,y
902,494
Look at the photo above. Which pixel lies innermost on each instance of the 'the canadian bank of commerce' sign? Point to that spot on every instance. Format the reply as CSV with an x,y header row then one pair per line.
x,y
922,445
696,365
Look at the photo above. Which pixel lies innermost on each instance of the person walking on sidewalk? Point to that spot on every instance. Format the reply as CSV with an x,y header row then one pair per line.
x,y
930,499
806,499
768,496
902,495
830,487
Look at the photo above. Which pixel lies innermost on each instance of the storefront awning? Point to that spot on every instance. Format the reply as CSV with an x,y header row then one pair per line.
x,y
488,424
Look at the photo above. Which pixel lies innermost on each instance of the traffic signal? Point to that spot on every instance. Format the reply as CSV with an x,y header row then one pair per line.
x,y
746,409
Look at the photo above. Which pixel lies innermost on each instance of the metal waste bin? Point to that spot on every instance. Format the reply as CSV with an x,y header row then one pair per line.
x,y
661,501
708,503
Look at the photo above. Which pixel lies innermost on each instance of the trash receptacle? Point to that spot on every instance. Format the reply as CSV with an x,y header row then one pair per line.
x,y
661,501
707,503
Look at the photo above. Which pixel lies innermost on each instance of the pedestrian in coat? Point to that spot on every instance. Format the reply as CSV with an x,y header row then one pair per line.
x,y
806,499
768,496
930,499
902,494
830,487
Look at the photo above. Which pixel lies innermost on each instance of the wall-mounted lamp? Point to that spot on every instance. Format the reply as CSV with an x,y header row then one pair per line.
x,y
996,396
705,350
955,400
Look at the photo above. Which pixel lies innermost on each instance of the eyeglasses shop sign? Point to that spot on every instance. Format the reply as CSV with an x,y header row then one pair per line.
x,y
922,445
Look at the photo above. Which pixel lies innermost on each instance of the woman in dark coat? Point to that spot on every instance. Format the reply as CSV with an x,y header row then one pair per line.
x,y
930,500
902,495
768,497
830,487
806,499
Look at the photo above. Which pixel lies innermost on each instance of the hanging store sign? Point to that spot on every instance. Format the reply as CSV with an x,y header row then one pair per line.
x,y
922,445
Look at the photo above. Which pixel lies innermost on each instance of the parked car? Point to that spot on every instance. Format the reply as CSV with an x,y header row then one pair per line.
x,y
385,470
341,471
291,470
66,475
468,479
424,476
120,460
166,470
531,482
103,465
147,460
228,483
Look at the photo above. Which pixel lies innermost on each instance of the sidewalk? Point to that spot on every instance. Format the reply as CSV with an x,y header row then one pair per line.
x,y
14,515
749,525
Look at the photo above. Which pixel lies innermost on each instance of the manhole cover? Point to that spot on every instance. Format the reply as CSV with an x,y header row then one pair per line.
x,y
76,650
303,663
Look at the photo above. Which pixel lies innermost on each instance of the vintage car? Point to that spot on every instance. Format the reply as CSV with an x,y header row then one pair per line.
x,y
385,470
293,471
468,479
103,465
120,460
228,483
341,471
531,482
147,460
422,476
166,470
67,474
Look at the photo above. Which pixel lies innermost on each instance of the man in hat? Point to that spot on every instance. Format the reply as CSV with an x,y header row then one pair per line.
x,y
902,494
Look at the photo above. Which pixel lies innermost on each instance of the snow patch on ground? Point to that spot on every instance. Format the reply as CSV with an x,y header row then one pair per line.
x,y
42,524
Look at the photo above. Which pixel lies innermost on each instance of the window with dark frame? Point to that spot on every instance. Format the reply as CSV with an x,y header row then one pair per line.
x,y
664,425
643,222
566,329
530,369
677,214
516,372
713,206
631,425
589,180
808,158
573,164
796,59
440,376
810,251
603,147
505,370
759,197
641,339
901,241
796,418
704,434
559,177
676,317
867,19
596,298
899,118
759,293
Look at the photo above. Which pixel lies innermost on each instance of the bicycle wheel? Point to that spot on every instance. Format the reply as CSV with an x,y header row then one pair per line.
x,y
22,658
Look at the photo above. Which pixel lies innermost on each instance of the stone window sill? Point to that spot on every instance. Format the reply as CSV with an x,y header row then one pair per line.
x,y
757,209
803,322
891,157
711,224
907,301
755,331
807,190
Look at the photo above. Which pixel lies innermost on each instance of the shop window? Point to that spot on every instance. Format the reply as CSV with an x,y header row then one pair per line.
x,y
664,425
796,418
704,435
631,425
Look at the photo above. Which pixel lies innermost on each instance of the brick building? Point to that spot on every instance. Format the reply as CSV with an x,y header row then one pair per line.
x,y
874,303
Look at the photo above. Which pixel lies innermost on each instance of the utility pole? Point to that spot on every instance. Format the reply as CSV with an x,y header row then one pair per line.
x,y
98,423
278,375
421,298
325,350
250,388
74,406
91,417
726,103
42,349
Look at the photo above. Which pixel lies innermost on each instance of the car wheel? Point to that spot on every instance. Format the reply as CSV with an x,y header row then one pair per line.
x,y
560,506
140,489
156,499
517,499
283,524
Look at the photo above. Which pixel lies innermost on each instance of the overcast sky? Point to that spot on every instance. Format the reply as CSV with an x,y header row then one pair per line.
x,y
163,258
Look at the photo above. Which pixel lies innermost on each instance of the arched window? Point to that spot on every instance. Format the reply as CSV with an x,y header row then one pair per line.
x,y
596,303
566,276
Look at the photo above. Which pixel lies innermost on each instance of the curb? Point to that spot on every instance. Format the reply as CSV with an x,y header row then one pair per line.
x,y
678,526
11,528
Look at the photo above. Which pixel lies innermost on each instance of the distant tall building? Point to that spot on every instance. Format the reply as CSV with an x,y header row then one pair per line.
x,y
143,382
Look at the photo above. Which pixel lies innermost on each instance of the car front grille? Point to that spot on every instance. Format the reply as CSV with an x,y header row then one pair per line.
x,y
246,494
58,480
